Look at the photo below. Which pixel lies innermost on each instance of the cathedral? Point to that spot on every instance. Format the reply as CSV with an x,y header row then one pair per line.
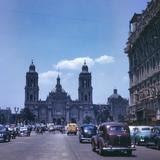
x,y
58,107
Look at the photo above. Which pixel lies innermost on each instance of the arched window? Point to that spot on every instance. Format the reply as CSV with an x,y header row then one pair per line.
x,y
81,96
85,97
31,97
85,83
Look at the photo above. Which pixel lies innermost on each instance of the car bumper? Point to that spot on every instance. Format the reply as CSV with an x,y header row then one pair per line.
x,y
2,138
123,149
85,139
71,132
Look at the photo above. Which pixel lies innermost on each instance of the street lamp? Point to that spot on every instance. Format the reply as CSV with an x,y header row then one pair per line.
x,y
16,109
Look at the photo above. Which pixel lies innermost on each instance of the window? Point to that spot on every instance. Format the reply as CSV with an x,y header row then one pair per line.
x,y
31,97
85,83
85,97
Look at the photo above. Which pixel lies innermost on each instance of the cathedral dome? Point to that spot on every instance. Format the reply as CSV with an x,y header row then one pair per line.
x,y
115,95
85,67
32,67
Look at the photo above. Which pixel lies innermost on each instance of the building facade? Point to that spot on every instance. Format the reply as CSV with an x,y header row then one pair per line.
x,y
143,50
117,106
58,107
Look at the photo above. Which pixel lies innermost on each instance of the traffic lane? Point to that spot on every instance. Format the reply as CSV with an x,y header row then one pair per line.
x,y
83,151
37,147
61,147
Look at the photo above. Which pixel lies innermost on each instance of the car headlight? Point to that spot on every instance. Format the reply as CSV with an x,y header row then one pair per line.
x,y
132,145
1,134
82,136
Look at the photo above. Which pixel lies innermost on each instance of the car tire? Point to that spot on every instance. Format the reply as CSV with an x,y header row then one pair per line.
x,y
129,153
80,141
158,146
100,151
93,146
9,139
138,143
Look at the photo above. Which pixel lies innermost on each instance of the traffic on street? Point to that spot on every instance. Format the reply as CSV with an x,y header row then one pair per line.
x,y
57,145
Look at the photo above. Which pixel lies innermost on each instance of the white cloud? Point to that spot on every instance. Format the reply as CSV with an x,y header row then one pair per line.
x,y
47,77
126,79
75,64
105,59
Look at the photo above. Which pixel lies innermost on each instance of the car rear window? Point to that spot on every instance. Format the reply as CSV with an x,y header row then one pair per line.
x,y
145,129
118,129
72,125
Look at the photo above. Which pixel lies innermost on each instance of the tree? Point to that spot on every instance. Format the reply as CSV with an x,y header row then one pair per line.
x,y
27,115
87,119
2,118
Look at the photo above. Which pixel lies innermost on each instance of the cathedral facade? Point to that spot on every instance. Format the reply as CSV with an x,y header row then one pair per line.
x,y
58,107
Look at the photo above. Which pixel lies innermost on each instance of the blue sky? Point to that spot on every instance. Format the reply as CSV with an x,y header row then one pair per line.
x,y
61,34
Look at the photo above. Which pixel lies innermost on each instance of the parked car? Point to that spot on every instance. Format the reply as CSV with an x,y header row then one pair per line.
x,y
86,132
4,134
51,128
154,140
24,131
142,135
112,137
72,128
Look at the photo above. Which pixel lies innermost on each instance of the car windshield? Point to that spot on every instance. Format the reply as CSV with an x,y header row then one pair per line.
x,y
91,129
2,128
118,129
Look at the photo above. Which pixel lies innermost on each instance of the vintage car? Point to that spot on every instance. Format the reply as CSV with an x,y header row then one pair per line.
x,y
24,131
142,134
72,128
112,137
86,132
154,140
4,134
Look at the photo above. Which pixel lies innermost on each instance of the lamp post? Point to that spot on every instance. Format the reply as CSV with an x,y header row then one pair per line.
x,y
16,109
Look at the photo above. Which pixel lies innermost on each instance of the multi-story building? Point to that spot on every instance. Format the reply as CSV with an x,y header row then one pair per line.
x,y
58,106
143,50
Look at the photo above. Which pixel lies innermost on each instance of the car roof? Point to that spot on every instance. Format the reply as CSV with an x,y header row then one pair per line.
x,y
140,127
83,125
113,124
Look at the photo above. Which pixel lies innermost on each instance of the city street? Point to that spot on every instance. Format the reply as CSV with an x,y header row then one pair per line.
x,y
62,147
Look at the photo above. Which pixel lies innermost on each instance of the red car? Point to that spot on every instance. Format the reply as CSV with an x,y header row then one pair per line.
x,y
112,137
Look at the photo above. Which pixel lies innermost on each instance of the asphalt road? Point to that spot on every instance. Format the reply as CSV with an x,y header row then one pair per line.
x,y
62,147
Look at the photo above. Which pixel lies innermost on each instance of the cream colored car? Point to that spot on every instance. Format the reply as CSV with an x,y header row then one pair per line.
x,y
72,128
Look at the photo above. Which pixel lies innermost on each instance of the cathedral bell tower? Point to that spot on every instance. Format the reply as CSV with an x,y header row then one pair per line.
x,y
31,88
58,85
85,85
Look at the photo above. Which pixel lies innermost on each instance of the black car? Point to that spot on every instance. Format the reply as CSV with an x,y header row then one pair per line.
x,y
4,134
86,132
112,137
154,140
